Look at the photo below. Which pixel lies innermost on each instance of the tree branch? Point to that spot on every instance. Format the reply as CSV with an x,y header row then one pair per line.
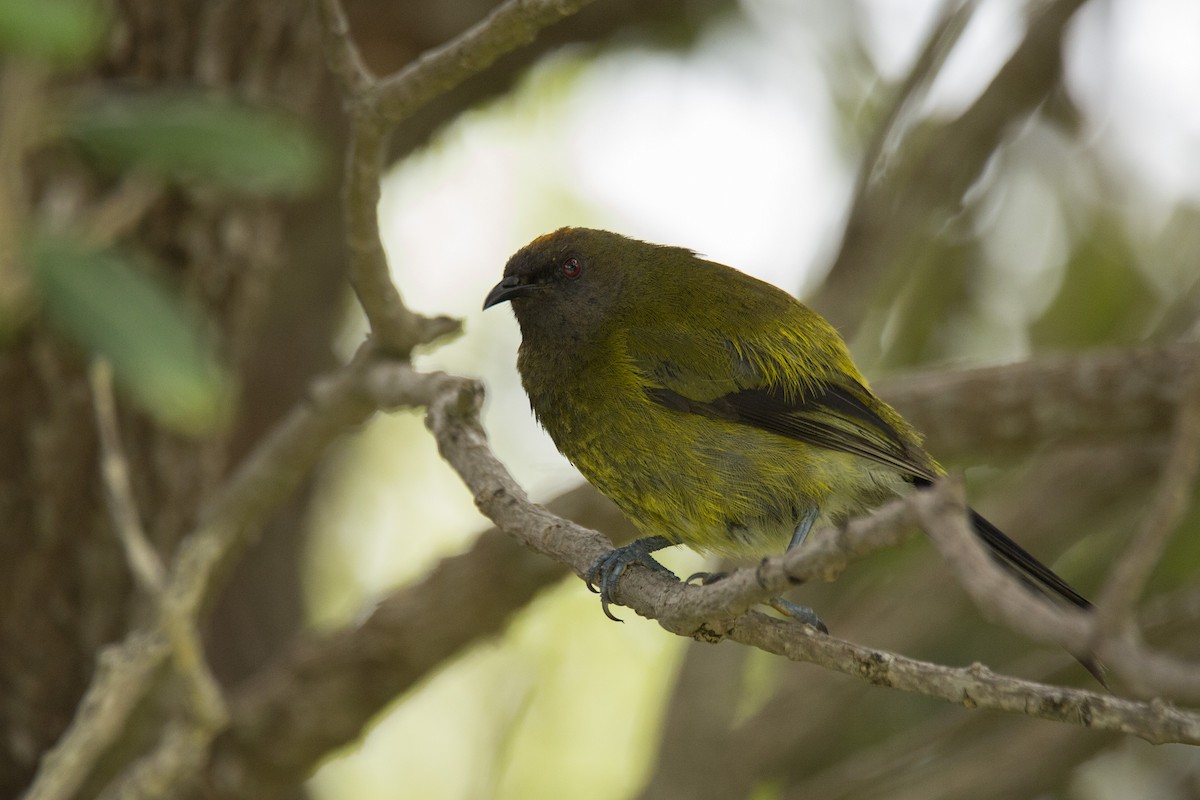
x,y
884,217
346,676
376,106
513,24
268,475
680,608
1114,610
971,687
1011,409
955,15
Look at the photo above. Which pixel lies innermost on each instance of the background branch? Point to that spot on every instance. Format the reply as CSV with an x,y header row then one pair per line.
x,y
929,185
1114,610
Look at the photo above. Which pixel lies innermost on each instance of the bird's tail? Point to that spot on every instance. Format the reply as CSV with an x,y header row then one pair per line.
x,y
1031,571
1018,560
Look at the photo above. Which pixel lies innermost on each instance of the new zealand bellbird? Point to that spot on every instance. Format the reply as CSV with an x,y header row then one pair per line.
x,y
714,409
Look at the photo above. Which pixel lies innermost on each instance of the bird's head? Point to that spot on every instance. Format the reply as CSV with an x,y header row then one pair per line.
x,y
575,284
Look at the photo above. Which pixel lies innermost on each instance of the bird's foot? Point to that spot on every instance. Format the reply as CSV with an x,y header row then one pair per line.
x,y
603,575
786,607
798,612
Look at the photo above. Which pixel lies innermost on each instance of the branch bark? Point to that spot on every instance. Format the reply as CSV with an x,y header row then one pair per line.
x,y
324,690
685,609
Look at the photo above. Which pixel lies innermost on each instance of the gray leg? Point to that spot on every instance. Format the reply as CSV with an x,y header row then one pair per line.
x,y
798,612
803,527
787,607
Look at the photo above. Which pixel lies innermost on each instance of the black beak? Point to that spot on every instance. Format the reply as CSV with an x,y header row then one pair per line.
x,y
507,289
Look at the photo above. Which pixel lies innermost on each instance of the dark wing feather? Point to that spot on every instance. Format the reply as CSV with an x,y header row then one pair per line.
x,y
832,416
839,416
872,438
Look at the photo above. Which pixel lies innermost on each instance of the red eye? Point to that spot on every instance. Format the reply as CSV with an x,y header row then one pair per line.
x,y
571,268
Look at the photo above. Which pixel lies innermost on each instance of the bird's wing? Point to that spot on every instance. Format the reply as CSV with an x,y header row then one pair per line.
x,y
789,391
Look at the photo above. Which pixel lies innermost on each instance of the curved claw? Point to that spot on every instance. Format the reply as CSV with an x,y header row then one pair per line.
x,y
607,569
786,607
799,613
706,578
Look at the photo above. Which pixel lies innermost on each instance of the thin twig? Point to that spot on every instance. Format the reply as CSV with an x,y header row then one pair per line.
x,y
510,26
973,687
268,475
121,210
946,31
143,561
124,673
998,594
376,106
178,622
395,327
1115,607
204,695
341,53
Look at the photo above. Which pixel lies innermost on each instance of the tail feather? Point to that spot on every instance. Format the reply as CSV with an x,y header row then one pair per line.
x,y
1018,560
1031,571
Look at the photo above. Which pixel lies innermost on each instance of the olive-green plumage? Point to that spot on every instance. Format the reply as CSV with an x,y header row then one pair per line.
x,y
714,409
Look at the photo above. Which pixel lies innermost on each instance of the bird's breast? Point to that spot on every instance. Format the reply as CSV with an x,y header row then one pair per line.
x,y
713,485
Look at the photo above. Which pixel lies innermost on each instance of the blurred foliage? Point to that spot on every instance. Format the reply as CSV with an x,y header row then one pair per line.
x,y
99,298
118,312
190,137
62,31
1103,298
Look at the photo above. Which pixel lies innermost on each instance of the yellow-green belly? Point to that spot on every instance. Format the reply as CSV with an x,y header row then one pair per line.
x,y
714,485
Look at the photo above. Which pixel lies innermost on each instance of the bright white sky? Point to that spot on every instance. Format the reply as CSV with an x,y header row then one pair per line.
x,y
655,146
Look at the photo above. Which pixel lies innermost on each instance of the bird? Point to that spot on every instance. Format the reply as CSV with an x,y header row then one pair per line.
x,y
715,409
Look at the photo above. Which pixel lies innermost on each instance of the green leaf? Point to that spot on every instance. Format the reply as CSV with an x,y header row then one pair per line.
x,y
65,31
155,346
186,137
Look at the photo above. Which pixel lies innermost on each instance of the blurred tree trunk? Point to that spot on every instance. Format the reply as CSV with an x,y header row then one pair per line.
x,y
257,270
